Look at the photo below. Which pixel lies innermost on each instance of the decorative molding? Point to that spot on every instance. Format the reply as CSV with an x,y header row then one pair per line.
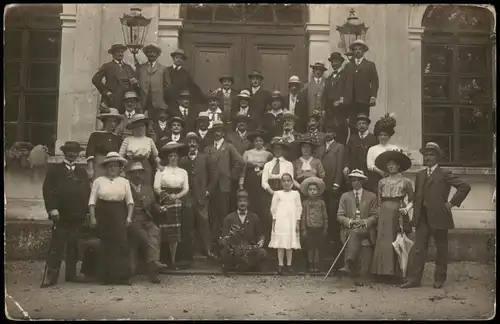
x,y
415,33
323,29
68,20
169,27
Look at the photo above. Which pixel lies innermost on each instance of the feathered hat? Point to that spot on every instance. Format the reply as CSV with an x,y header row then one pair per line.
x,y
385,124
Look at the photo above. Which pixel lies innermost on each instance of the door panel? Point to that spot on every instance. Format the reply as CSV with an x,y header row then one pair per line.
x,y
212,55
278,58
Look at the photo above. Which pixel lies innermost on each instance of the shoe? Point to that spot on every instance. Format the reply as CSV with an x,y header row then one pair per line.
x,y
359,282
49,283
438,285
280,270
79,279
410,284
125,282
344,271
289,270
310,268
154,277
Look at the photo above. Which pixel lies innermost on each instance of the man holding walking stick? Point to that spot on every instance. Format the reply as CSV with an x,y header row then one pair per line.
x,y
357,215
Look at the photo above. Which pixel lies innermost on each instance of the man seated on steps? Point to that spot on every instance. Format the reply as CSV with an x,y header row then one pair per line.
x,y
242,239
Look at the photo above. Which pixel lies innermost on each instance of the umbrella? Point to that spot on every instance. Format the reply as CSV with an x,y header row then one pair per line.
x,y
402,245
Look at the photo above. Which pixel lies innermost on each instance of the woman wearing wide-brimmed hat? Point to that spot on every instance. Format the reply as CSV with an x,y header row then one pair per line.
x,y
255,159
171,184
393,213
307,165
141,148
102,142
111,206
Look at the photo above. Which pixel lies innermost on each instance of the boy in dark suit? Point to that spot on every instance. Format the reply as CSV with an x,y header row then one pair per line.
x,y
260,97
202,123
433,215
66,191
242,238
181,80
119,77
197,166
160,125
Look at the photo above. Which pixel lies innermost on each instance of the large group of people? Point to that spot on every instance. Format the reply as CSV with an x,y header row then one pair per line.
x,y
243,172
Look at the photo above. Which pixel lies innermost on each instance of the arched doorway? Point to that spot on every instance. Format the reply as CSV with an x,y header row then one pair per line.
x,y
239,38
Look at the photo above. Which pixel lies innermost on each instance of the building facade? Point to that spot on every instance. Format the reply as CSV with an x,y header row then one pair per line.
x,y
436,65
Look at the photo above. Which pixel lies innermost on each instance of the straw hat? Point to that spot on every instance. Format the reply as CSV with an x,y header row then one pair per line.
x,y
304,186
363,116
359,42
217,124
170,147
192,135
203,116
288,115
179,52
116,47
136,119
318,65
431,146
397,156
279,141
244,94
130,94
177,119
71,146
135,166
114,157
356,173
294,79
241,193
112,113
152,48
307,140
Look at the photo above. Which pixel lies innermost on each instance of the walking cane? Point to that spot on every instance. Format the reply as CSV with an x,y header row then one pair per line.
x,y
48,254
336,259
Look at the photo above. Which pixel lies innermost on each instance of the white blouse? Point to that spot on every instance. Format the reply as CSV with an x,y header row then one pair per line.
x,y
171,178
133,146
375,151
285,167
306,164
116,189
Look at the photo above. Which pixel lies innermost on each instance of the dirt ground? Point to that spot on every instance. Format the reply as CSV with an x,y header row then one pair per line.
x,y
468,294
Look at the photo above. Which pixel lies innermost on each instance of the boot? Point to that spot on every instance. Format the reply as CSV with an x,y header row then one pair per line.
x,y
51,280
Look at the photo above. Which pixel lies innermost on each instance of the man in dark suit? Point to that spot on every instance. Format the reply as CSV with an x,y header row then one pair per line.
x,y
66,191
202,123
160,125
119,77
358,145
239,137
132,107
313,128
242,238
296,103
260,97
358,216
198,169
336,113
184,109
271,120
226,164
243,106
361,83
227,96
182,80
176,126
331,155
433,215
153,81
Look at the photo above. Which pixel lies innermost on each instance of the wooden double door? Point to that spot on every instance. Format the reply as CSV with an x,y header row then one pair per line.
x,y
276,56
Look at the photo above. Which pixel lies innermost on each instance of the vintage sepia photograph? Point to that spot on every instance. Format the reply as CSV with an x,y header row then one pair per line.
x,y
182,161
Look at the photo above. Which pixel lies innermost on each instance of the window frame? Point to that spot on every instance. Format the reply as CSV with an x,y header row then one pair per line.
x,y
456,38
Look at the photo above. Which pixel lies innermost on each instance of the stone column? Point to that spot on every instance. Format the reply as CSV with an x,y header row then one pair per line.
x,y
415,100
318,29
169,24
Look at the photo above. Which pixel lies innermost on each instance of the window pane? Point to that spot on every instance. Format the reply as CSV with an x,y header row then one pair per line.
x,y
41,108
474,90
472,59
261,13
455,16
228,13
438,120
39,134
12,108
13,44
12,74
474,148
444,141
290,13
10,134
197,12
44,44
474,121
437,59
436,88
43,75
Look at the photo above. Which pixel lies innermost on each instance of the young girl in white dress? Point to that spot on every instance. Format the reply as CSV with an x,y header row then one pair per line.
x,y
286,209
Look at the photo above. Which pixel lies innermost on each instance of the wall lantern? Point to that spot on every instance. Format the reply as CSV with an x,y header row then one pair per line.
x,y
135,29
351,30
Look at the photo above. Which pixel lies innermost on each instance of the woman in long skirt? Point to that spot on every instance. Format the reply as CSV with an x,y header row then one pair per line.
x,y
393,213
255,159
171,185
140,148
111,206
102,142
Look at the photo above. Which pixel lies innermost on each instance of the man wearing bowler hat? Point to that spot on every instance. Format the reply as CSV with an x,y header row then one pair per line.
x,y
214,111
181,80
160,125
314,89
335,112
202,123
132,106
227,96
296,102
153,80
433,215
260,97
66,191
115,78
362,83
185,109
243,106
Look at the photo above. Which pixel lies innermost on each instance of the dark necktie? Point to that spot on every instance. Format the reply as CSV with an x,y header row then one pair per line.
x,y
276,168
356,199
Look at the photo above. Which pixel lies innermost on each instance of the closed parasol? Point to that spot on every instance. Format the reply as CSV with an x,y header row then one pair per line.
x,y
402,245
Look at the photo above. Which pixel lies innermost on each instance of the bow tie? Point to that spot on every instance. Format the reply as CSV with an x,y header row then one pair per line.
x,y
70,166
